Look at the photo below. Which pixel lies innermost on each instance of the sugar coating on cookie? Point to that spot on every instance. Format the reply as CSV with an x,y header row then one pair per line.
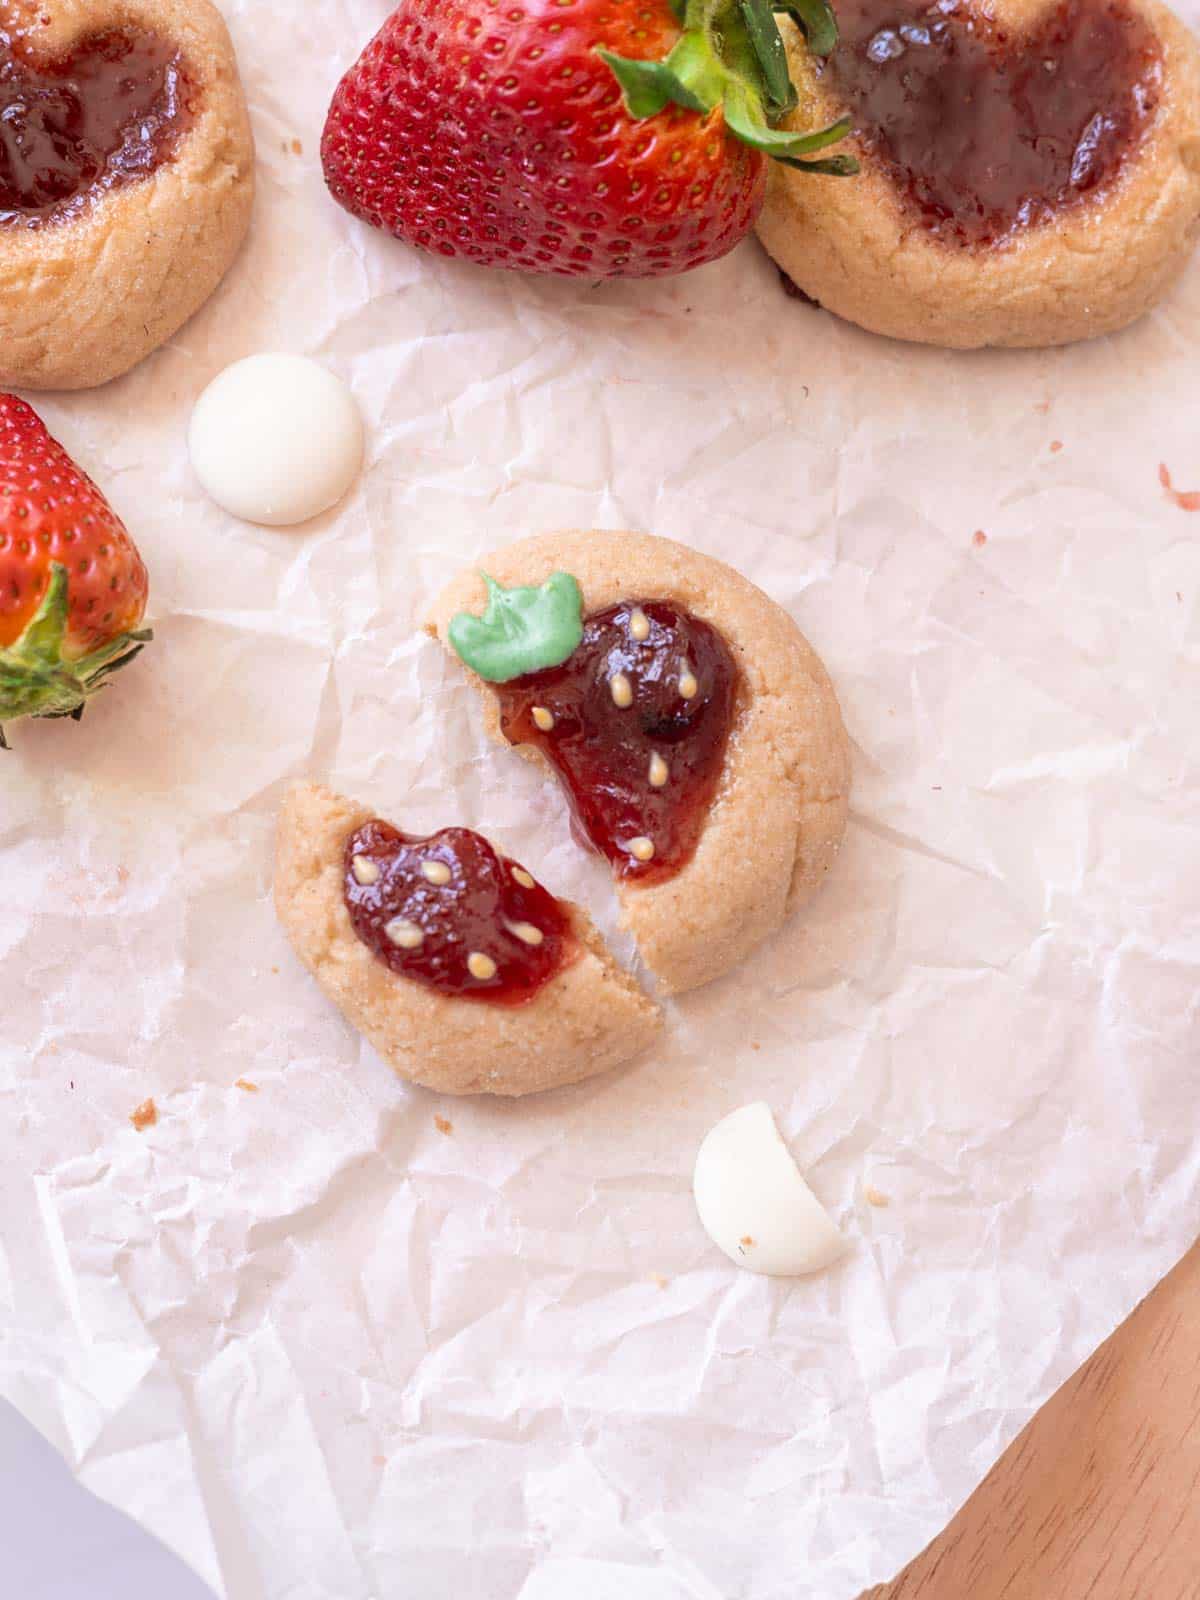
x,y
276,439
586,1017
777,813
131,188
1060,201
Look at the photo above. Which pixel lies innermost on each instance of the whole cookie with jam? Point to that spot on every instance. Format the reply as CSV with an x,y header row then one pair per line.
x,y
462,970
126,181
695,732
1030,169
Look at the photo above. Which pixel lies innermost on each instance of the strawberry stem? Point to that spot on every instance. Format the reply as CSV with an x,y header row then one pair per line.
x,y
730,55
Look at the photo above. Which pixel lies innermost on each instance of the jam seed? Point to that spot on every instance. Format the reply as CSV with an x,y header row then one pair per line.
x,y
622,691
641,849
436,872
639,625
659,772
688,687
404,935
365,871
481,967
527,933
544,719
523,878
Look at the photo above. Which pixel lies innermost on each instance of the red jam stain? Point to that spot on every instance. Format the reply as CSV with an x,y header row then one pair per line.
x,y
451,913
636,724
988,131
108,113
1185,499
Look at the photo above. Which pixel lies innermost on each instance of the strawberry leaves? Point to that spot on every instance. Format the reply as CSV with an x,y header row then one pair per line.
x,y
731,56
37,680
523,629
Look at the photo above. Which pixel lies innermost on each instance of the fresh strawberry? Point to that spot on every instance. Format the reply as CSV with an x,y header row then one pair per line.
x,y
73,587
590,138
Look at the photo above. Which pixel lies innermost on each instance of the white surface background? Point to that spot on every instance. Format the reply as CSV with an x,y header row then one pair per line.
x,y
60,1543
326,1351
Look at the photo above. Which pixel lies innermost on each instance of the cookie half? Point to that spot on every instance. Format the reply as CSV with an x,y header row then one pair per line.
x,y
103,259
583,1018
777,813
1030,169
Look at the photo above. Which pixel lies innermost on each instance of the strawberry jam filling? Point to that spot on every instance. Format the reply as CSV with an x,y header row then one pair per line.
x,y
636,723
986,130
108,113
451,913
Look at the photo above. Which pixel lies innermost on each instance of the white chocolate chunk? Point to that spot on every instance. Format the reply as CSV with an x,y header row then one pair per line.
x,y
755,1205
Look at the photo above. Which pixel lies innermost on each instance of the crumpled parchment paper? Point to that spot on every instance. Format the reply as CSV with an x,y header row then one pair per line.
x,y
325,1348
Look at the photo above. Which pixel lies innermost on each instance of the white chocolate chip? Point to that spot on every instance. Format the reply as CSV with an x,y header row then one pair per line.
x,y
436,872
659,772
622,691
527,933
642,849
639,625
543,719
481,966
365,871
523,878
405,934
688,687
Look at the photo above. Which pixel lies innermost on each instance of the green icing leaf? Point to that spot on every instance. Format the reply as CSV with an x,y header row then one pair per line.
x,y
522,630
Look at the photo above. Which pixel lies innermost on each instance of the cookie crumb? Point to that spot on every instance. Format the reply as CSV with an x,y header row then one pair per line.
x,y
1055,446
244,1083
979,538
145,1116
876,1197
745,1243
1042,407
297,148
1186,500
658,1279
443,1125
